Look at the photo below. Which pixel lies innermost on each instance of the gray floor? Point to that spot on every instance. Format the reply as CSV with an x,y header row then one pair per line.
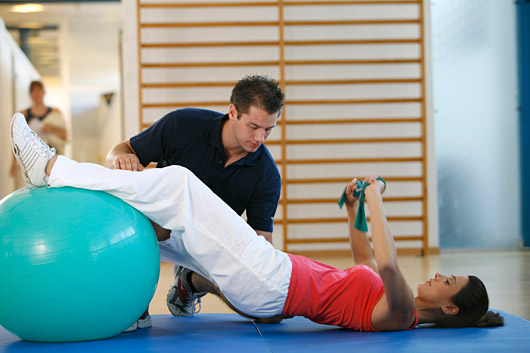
x,y
505,273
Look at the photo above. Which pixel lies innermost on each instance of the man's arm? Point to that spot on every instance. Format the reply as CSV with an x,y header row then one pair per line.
x,y
261,210
266,235
122,156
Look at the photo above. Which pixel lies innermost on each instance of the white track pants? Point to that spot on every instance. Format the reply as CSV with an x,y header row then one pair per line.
x,y
207,235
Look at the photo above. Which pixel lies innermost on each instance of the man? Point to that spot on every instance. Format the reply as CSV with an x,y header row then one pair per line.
x,y
225,152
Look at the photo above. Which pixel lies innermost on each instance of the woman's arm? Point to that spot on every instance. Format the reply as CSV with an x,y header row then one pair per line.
x,y
55,128
58,131
359,242
398,294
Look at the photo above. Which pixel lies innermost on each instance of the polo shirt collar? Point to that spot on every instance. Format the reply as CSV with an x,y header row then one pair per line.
x,y
213,137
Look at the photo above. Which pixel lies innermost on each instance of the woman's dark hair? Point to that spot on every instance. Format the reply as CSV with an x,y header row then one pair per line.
x,y
34,84
472,302
259,91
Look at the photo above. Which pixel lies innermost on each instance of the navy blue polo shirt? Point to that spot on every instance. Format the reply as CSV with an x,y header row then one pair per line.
x,y
192,138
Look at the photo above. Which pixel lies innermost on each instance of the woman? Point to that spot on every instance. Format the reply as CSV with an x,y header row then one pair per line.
x,y
47,122
254,278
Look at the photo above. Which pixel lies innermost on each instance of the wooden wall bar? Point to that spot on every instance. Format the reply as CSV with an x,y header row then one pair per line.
x,y
354,77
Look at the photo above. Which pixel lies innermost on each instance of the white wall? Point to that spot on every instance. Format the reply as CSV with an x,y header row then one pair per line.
x,y
476,132
109,125
16,73
91,41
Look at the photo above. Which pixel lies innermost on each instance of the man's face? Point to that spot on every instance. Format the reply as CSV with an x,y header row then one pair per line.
x,y
253,128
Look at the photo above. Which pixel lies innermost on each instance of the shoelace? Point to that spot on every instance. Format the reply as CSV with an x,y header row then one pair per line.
x,y
193,301
198,302
41,147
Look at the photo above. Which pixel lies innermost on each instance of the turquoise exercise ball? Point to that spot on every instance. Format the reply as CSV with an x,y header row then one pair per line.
x,y
75,265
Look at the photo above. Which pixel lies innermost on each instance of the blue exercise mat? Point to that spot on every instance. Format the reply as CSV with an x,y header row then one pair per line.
x,y
232,333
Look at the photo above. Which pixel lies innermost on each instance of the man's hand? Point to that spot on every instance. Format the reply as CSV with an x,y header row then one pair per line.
x,y
122,156
127,161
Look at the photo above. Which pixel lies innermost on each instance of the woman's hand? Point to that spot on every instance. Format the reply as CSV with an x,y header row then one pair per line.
x,y
375,189
48,129
350,189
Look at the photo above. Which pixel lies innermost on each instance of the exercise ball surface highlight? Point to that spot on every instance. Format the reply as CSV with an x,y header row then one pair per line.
x,y
75,265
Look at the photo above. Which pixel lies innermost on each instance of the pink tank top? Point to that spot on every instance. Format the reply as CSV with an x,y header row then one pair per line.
x,y
327,295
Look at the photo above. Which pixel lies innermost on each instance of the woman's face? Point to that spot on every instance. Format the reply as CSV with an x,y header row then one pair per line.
x,y
37,94
441,288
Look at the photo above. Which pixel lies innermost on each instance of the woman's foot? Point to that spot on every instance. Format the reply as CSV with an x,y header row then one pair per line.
x,y
31,152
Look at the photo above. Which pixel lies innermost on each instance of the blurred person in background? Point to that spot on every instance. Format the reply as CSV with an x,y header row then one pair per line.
x,y
46,121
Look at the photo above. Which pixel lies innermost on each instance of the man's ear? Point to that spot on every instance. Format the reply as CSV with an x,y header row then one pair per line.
x,y
450,309
232,112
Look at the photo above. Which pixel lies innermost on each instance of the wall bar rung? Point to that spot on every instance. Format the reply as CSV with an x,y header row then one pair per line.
x,y
347,180
353,41
211,4
352,82
340,121
208,24
185,104
334,200
353,160
311,102
351,2
288,83
354,101
287,43
208,64
344,220
211,44
352,22
275,23
347,240
352,121
275,3
276,63
353,61
354,140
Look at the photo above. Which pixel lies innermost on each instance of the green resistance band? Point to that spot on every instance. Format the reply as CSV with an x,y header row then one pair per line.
x,y
360,219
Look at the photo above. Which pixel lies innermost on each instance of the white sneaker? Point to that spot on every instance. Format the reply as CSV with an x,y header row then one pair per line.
x,y
143,322
31,152
181,301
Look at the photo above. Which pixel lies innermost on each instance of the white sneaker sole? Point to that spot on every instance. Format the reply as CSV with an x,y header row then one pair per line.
x,y
140,323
